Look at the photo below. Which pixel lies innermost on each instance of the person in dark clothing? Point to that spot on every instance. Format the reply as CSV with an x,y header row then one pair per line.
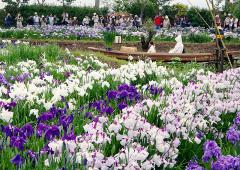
x,y
8,20
30,20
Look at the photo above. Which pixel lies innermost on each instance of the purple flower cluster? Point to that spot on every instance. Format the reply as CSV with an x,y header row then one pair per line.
x,y
3,80
21,77
18,136
101,106
124,95
154,90
17,160
226,163
51,114
211,150
8,106
193,165
220,162
233,134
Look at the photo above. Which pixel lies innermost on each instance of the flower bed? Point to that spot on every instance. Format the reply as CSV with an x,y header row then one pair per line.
x,y
193,35
82,114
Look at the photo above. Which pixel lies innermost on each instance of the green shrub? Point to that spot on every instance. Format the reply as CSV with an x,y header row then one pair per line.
x,y
29,10
197,38
196,20
109,37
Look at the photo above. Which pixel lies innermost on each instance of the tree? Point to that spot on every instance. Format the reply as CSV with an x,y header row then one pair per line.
x,y
41,2
145,41
97,3
126,5
66,2
236,11
15,3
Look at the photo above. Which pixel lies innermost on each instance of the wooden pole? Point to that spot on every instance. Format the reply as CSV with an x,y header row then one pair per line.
x,y
217,31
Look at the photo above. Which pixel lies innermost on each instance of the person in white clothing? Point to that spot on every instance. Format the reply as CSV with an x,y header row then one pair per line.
x,y
235,23
51,20
166,22
36,19
179,47
152,48
86,21
19,19
95,19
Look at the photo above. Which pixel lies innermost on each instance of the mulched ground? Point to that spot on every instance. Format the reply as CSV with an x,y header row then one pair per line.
x,y
161,47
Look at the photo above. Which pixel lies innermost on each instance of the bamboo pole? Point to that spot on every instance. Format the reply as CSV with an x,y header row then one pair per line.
x,y
217,29
199,14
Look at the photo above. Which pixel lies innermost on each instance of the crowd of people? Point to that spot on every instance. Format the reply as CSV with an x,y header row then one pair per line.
x,y
164,22
230,22
96,20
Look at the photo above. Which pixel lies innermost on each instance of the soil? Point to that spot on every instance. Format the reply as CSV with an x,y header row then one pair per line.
x,y
160,46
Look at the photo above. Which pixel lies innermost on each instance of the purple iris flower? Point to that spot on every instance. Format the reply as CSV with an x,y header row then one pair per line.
x,y
32,155
237,120
123,94
193,165
22,77
8,130
88,115
3,80
109,110
70,136
211,150
67,74
122,106
224,162
233,135
18,132
65,121
123,87
27,129
41,128
112,95
46,117
10,106
52,132
17,160
18,142
46,150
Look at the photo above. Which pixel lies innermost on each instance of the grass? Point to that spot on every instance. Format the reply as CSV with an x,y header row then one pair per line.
x,y
22,52
110,60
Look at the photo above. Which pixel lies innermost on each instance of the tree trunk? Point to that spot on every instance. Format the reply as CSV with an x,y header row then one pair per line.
x,y
97,3
145,43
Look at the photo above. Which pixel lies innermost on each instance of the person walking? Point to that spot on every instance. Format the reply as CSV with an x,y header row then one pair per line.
x,y
166,22
218,20
227,22
43,21
19,20
8,20
95,19
51,20
158,22
86,21
236,21
152,48
36,19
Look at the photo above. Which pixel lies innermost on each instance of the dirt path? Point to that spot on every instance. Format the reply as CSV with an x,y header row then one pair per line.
x,y
160,46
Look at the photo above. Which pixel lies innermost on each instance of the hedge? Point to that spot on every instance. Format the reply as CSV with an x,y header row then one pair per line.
x,y
79,12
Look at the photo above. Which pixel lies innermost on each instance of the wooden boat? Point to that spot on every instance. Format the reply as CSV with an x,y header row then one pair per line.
x,y
165,57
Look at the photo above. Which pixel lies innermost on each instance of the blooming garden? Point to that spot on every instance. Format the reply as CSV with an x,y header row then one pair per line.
x,y
190,34
67,112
